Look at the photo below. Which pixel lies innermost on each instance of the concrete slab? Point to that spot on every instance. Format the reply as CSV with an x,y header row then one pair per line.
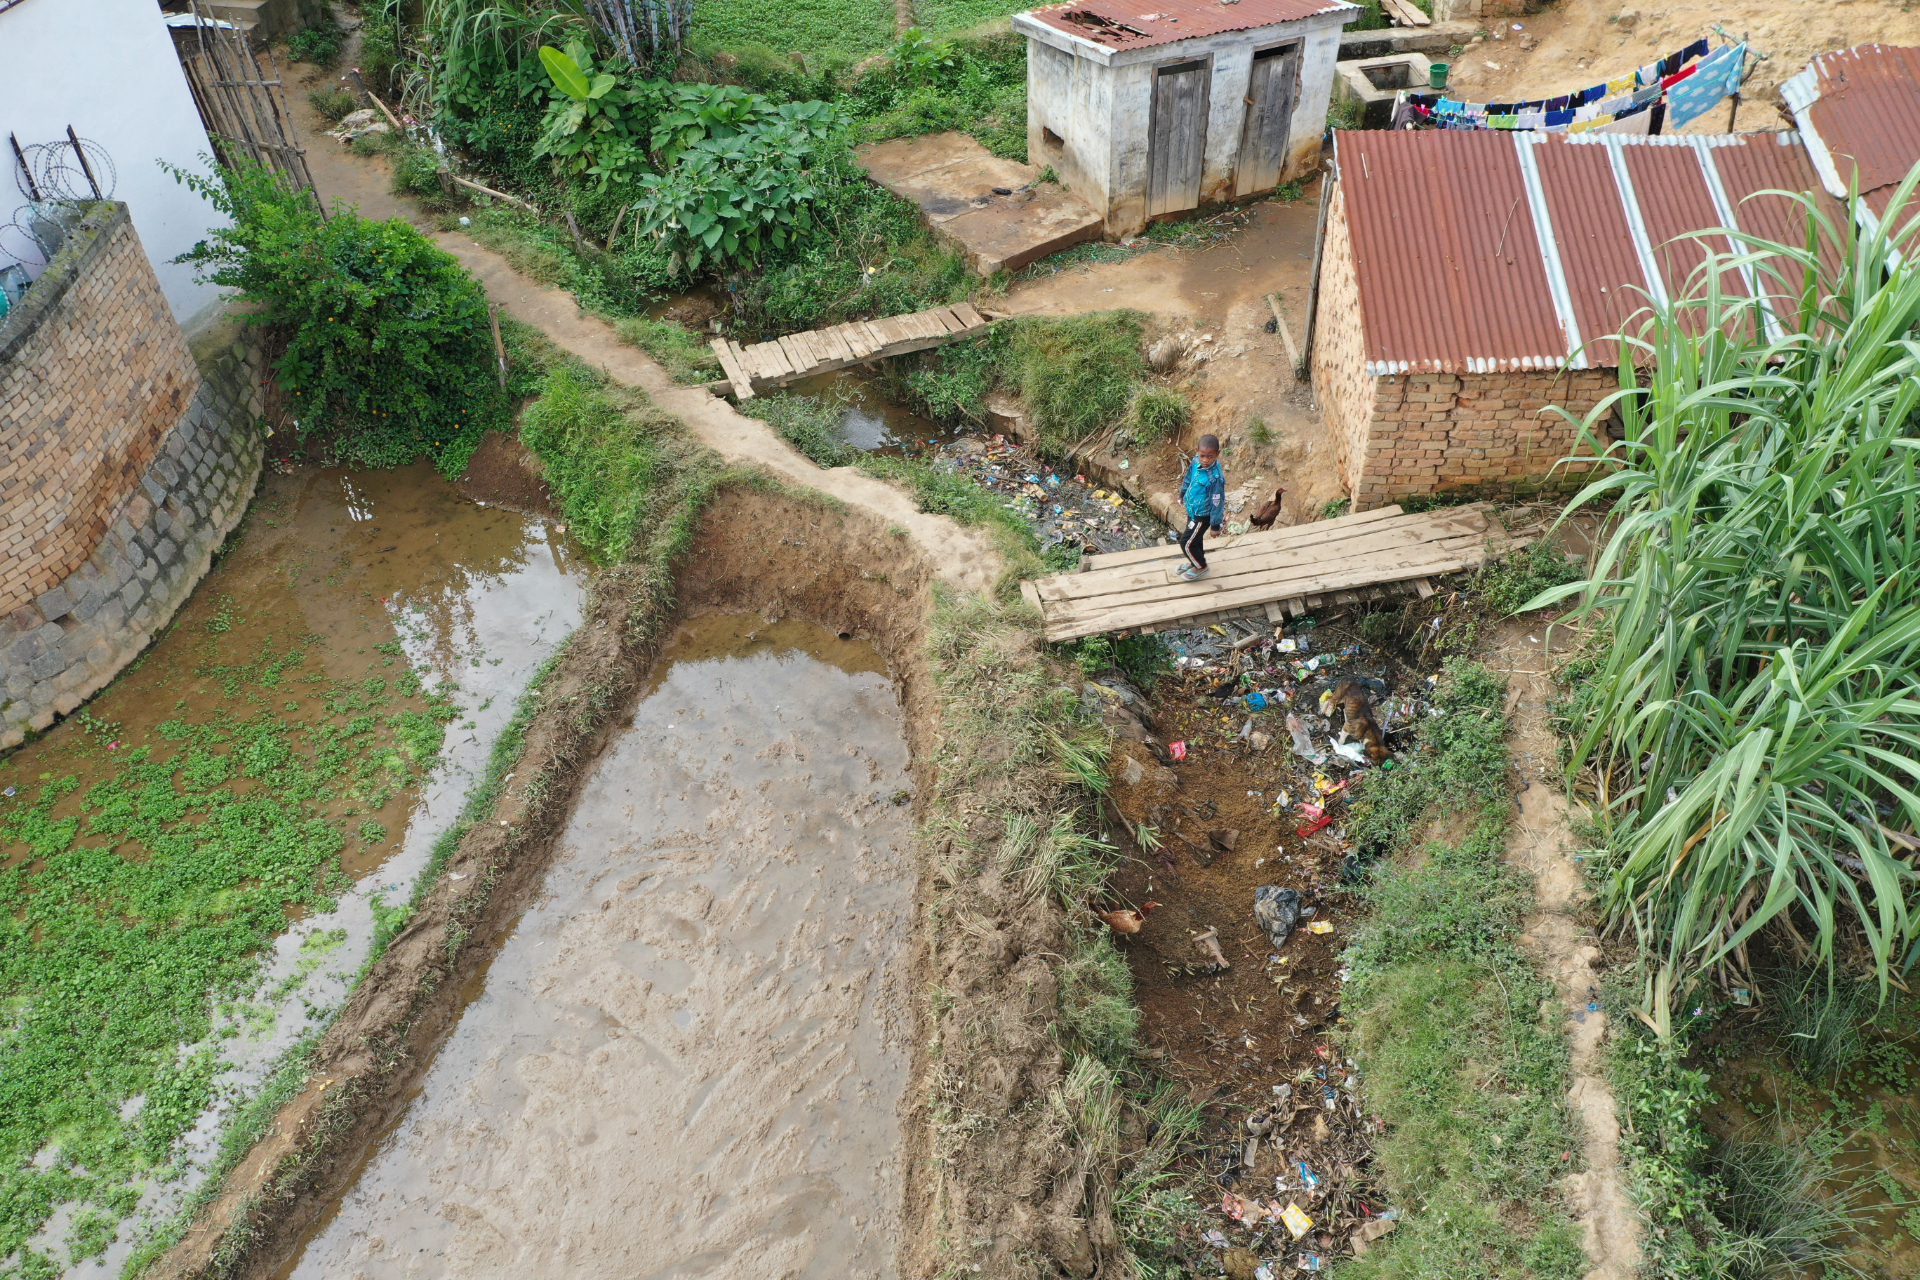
x,y
951,179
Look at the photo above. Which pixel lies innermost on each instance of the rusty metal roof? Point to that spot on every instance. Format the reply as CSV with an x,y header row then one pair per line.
x,y
1859,110
1139,24
1478,250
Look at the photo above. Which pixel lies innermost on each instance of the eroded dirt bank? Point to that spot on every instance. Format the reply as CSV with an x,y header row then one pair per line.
x,y
689,1056
1541,843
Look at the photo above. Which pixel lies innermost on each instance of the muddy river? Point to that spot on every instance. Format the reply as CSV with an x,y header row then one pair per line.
x,y
687,1058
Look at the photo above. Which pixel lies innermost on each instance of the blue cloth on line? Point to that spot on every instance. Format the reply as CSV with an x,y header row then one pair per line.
x,y
1712,80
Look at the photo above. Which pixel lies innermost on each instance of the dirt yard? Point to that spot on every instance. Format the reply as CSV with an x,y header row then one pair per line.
x,y
1575,43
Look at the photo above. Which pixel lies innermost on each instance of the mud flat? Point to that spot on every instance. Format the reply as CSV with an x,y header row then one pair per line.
x,y
688,1056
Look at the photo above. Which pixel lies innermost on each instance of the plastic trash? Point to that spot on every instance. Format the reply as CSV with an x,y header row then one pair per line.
x,y
1320,926
1308,1178
1178,750
1311,1261
1277,911
1297,1221
1302,744
1214,1238
1257,700
1354,751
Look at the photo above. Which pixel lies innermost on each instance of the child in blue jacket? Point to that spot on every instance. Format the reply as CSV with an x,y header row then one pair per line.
x,y
1205,494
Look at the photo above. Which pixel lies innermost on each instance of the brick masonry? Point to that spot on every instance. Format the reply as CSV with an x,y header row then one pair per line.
x,y
1484,434
124,464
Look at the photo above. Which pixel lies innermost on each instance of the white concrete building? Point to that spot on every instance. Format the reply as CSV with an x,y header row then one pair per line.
x,y
1159,106
108,69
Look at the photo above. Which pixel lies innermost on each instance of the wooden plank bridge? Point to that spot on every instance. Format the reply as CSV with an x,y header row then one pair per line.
x,y
801,355
1271,574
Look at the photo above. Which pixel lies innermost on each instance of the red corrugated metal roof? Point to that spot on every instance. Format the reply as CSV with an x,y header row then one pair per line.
x,y
1602,268
1674,199
1445,252
1138,24
1453,275
1867,113
1746,172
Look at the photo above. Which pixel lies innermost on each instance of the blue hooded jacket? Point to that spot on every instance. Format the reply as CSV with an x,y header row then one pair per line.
x,y
1206,492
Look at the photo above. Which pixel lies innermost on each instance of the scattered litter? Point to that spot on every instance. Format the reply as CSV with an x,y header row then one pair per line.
x,y
1742,996
1310,1261
1297,1222
1178,750
1214,1238
1320,926
1277,910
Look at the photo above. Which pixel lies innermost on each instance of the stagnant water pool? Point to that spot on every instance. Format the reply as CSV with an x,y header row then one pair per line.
x,y
687,1059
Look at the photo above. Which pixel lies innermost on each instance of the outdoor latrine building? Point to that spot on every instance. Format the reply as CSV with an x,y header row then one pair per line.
x,y
1469,284
1151,107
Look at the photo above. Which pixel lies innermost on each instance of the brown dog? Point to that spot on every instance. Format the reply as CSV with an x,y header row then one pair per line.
x,y
1356,712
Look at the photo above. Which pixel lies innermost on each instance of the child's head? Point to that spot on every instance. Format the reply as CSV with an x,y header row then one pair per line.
x,y
1209,450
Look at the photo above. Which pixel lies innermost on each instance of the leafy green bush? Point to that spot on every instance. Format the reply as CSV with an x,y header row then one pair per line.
x,y
595,126
416,171
387,343
739,175
1507,585
380,39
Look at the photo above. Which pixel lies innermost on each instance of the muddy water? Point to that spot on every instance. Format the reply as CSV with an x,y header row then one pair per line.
x,y
869,420
688,1057
341,566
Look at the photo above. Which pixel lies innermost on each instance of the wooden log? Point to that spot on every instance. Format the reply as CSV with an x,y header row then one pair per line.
x,y
725,351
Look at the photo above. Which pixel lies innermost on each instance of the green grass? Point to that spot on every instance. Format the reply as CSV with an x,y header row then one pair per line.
x,y
809,424
1445,1013
133,908
816,27
684,355
1074,374
600,448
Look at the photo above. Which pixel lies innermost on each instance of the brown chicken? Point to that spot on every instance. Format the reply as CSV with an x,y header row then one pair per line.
x,y
1357,721
1266,515
1124,921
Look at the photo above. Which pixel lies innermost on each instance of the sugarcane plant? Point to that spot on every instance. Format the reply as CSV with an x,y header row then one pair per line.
x,y
1752,731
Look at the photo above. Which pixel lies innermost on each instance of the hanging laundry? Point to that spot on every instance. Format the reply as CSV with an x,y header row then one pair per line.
x,y
1712,79
1674,79
1635,124
1621,84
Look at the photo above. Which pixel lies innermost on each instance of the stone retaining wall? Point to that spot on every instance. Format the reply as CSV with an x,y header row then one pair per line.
x,y
128,471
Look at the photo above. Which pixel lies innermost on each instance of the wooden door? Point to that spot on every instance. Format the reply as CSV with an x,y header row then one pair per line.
x,y
1263,143
1177,137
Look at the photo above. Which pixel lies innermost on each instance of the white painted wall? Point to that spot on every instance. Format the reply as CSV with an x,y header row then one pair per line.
x,y
107,67
1100,102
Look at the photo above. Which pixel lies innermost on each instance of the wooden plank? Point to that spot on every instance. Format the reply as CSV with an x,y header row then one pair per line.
x,y
863,339
951,318
797,362
766,361
1423,588
742,384
923,324
1273,613
970,316
836,344
1303,533
1231,564
1032,596
1067,623
801,344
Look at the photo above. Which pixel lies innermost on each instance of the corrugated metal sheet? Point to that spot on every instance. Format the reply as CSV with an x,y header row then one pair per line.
x,y
1139,24
1453,273
1448,263
1764,165
1604,279
1674,200
1863,104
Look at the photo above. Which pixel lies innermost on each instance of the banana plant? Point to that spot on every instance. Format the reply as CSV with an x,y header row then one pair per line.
x,y
591,129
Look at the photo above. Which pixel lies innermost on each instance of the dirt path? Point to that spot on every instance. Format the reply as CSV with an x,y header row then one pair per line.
x,y
963,557
1239,374
1540,843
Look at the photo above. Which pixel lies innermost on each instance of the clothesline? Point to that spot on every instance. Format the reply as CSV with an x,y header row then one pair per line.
x,y
1669,93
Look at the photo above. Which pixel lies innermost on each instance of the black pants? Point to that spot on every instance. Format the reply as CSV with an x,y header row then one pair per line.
x,y
1191,539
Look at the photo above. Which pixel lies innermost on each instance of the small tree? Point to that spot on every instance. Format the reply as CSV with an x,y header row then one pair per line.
x,y
387,342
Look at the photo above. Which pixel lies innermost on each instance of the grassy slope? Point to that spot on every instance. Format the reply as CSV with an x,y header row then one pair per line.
x,y
848,28
1446,1009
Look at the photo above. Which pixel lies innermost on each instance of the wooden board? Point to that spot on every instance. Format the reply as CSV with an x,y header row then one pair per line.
x,y
730,365
1305,534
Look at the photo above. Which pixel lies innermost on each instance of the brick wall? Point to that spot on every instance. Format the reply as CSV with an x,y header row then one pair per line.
x,y
93,374
1470,10
1492,434
1340,381
123,466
